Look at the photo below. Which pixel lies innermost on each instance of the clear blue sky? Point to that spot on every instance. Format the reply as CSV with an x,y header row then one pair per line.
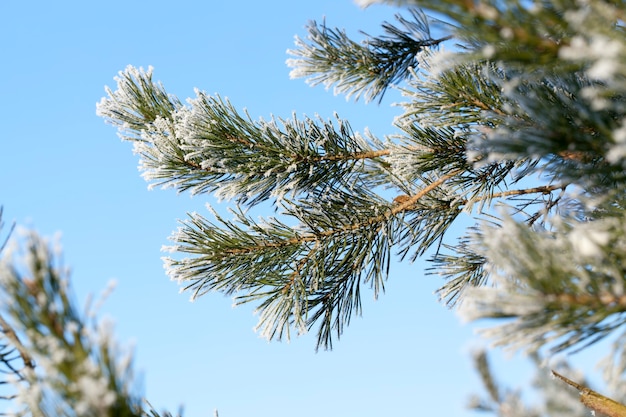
x,y
64,170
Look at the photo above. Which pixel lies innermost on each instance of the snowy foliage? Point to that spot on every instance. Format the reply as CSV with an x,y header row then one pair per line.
x,y
54,361
69,365
514,113
330,57
505,402
480,119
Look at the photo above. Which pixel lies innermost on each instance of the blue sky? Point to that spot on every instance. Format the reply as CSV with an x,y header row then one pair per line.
x,y
64,170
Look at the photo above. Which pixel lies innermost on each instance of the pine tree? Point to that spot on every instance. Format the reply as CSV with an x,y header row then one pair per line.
x,y
513,113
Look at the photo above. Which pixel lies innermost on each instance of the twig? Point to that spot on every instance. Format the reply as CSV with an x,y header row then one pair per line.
x,y
12,336
594,401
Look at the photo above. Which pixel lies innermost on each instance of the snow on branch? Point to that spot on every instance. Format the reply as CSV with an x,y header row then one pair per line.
x,y
367,69
208,146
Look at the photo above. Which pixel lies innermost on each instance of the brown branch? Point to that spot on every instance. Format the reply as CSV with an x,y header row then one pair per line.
x,y
315,237
594,401
296,271
407,203
483,106
14,339
605,300
356,156
395,210
473,101
400,204
545,189
321,158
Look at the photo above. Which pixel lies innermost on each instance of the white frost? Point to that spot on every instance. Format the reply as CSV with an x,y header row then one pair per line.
x,y
588,241
617,153
603,53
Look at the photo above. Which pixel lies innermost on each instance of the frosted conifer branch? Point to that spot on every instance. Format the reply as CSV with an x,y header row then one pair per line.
x,y
552,397
137,103
522,112
14,357
546,298
70,369
593,400
210,147
303,276
366,69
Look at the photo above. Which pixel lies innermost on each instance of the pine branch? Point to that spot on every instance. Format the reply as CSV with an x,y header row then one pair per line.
x,y
552,300
551,399
305,276
530,90
294,272
10,334
137,104
601,301
366,69
463,268
69,369
594,401
211,147
513,32
402,205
